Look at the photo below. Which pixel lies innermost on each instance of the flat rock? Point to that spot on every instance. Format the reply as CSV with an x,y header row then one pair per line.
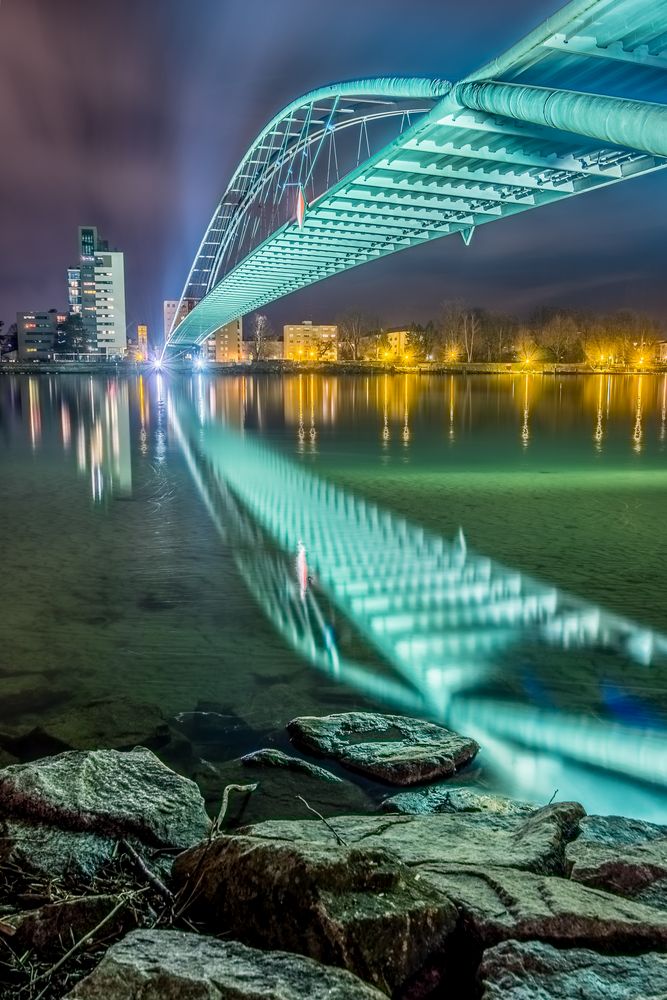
x,y
51,852
354,907
271,757
535,971
107,792
173,965
498,904
109,723
51,928
623,856
276,795
534,843
391,748
445,799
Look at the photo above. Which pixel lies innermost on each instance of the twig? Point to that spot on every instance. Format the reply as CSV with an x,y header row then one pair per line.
x,y
86,937
218,821
325,821
149,875
552,797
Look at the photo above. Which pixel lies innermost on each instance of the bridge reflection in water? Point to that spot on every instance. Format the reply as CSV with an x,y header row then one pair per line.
x,y
432,621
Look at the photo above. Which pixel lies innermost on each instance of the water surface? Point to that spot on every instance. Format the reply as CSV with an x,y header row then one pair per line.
x,y
136,567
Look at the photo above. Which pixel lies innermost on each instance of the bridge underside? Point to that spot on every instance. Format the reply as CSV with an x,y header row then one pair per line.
x,y
577,105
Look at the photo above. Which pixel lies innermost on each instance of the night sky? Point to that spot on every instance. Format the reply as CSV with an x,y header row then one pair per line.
x,y
132,114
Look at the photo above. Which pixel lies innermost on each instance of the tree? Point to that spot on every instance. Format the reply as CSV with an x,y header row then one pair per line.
x,y
469,332
559,336
527,351
261,333
352,328
422,340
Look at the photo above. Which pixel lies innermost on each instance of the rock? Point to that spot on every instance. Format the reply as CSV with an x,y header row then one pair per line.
x,y
497,904
52,928
518,971
623,856
107,793
109,723
51,852
7,758
392,748
445,799
172,965
276,793
355,907
534,843
270,757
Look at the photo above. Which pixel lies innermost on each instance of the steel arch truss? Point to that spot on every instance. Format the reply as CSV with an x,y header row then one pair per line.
x,y
576,105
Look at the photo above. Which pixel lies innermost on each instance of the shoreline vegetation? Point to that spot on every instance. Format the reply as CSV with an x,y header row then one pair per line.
x,y
130,368
116,883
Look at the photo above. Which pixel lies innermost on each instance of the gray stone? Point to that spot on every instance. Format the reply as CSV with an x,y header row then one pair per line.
x,y
270,757
109,723
355,907
445,799
175,965
51,929
108,793
276,794
623,856
392,748
51,852
497,904
535,842
535,971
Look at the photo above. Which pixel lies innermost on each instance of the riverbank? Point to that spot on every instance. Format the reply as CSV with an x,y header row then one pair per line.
x,y
117,884
131,368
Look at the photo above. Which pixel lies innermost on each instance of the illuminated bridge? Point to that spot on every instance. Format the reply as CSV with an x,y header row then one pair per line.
x,y
440,618
354,171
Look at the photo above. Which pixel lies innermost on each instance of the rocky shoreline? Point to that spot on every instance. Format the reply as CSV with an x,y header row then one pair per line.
x,y
116,883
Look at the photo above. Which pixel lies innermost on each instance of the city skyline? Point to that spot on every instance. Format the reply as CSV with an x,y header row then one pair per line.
x,y
148,162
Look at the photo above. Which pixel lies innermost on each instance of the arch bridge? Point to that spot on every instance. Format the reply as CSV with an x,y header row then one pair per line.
x,y
354,171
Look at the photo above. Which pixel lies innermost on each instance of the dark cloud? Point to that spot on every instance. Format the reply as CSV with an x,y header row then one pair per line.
x,y
132,114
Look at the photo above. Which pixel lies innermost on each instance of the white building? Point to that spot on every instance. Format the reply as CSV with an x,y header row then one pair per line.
x,y
96,292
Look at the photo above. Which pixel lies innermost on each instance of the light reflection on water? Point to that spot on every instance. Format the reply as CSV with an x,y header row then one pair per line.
x,y
561,691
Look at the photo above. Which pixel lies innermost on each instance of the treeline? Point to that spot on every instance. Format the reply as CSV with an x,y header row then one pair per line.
x,y
549,334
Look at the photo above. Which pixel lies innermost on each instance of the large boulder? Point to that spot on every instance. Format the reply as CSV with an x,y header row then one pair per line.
x,y
108,792
526,971
445,799
355,907
624,856
391,748
535,842
51,852
497,904
277,793
72,805
50,929
172,965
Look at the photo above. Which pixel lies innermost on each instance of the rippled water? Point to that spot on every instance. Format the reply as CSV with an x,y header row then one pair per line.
x,y
155,554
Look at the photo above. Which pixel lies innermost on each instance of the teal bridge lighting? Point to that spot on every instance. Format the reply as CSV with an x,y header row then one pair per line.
x,y
440,618
354,171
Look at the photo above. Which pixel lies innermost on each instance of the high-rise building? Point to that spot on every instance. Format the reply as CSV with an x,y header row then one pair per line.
x,y
36,335
96,292
142,340
308,342
174,311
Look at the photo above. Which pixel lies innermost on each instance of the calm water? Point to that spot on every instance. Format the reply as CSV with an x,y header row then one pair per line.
x,y
152,554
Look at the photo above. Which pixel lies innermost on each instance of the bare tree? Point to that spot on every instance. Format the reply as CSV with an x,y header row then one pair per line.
x,y
558,336
352,328
261,333
469,332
